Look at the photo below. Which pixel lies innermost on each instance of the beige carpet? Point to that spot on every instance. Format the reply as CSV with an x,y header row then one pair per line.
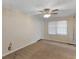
x,y
45,50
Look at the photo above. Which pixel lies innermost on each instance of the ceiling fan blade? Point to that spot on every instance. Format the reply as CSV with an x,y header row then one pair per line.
x,y
47,10
55,10
54,13
41,11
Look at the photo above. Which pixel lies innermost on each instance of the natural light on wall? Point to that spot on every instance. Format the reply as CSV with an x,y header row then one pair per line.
x,y
57,27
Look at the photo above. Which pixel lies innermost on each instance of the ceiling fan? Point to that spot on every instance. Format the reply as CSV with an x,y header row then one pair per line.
x,y
48,12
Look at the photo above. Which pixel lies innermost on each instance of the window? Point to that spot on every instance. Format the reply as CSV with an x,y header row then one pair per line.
x,y
57,27
52,28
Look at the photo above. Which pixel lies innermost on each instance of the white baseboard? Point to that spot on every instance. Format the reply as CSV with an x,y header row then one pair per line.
x,y
18,48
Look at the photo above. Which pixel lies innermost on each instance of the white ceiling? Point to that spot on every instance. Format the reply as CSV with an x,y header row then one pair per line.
x,y
66,7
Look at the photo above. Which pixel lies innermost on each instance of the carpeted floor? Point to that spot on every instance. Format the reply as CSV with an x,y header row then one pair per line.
x,y
45,50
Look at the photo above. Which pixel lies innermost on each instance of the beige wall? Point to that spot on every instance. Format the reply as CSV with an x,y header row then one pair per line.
x,y
20,29
68,38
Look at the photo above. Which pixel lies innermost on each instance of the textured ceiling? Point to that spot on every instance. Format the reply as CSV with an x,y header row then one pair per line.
x,y
66,7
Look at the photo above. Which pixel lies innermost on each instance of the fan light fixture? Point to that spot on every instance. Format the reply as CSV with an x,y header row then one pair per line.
x,y
47,15
47,12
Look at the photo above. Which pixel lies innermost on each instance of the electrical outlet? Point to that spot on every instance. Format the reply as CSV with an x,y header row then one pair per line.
x,y
10,46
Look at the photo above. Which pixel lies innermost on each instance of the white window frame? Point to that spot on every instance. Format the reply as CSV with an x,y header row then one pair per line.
x,y
56,30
